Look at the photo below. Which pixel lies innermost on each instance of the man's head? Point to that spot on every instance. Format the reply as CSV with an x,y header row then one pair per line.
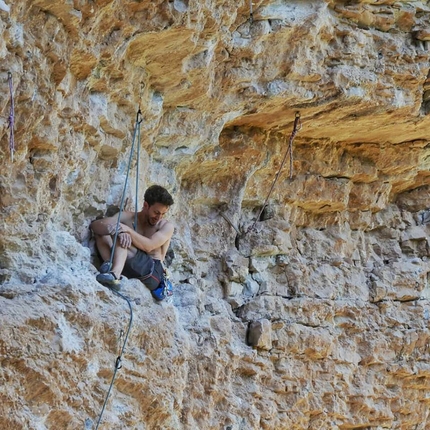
x,y
158,194
157,203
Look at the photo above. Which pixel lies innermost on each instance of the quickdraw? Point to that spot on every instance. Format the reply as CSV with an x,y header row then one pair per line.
x,y
11,120
118,362
296,128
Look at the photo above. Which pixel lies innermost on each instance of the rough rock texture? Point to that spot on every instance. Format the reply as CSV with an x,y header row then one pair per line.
x,y
315,318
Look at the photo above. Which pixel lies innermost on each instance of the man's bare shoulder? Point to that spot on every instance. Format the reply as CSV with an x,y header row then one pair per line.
x,y
165,224
127,217
128,214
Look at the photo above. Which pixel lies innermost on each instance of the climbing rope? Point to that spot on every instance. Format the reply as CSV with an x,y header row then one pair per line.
x,y
11,120
296,128
136,132
136,201
136,138
118,363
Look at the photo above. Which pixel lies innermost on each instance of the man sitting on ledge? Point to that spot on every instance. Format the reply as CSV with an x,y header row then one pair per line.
x,y
140,249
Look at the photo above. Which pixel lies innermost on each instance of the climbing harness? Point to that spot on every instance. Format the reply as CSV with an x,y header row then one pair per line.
x,y
118,363
136,137
296,128
11,120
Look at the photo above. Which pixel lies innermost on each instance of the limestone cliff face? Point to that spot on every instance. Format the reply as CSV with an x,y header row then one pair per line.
x,y
316,318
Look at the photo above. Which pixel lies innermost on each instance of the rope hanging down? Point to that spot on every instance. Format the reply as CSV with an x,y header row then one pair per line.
x,y
121,207
118,359
296,128
136,137
11,120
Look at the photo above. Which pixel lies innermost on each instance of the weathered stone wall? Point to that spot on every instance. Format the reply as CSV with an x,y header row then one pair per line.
x,y
317,318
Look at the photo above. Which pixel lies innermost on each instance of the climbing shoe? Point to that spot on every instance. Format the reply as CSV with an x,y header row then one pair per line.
x,y
105,267
169,288
110,280
164,290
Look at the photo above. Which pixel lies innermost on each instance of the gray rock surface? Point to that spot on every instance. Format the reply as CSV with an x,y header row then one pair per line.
x,y
334,279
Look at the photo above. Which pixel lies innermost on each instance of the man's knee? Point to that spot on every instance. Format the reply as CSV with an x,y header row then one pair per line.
x,y
103,242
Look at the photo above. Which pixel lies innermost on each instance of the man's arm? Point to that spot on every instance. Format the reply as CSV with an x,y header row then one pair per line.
x,y
164,250
148,244
107,226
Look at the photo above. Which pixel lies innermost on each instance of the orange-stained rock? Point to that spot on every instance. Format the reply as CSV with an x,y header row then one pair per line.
x,y
322,246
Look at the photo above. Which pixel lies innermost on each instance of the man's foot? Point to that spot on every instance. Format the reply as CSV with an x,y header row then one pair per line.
x,y
105,267
110,280
169,288
164,290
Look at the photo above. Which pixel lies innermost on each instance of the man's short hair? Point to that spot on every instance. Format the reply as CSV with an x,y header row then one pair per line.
x,y
158,194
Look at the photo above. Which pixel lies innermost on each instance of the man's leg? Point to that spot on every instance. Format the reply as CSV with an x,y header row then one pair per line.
x,y
119,258
104,246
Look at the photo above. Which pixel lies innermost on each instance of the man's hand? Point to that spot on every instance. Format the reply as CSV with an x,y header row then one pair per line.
x,y
107,226
124,240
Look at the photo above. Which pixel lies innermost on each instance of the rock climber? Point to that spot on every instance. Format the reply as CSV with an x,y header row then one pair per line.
x,y
140,250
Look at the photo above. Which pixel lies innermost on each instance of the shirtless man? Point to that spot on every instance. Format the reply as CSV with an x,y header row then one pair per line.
x,y
139,251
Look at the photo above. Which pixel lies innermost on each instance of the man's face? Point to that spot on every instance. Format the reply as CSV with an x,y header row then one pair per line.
x,y
155,212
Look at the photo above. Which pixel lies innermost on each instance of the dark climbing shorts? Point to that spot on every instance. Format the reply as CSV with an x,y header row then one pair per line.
x,y
145,268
